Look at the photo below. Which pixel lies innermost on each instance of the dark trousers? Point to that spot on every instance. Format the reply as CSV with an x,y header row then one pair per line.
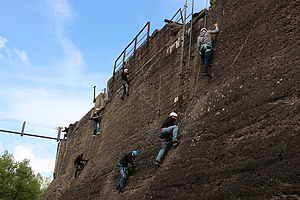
x,y
79,168
125,89
206,57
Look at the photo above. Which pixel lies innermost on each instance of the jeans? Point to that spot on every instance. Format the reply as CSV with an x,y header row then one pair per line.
x,y
205,56
164,146
96,126
122,174
172,130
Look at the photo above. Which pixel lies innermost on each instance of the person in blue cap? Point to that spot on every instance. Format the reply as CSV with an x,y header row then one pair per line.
x,y
123,168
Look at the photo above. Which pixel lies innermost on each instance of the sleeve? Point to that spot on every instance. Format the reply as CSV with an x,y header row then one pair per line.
x,y
130,160
214,31
198,41
165,124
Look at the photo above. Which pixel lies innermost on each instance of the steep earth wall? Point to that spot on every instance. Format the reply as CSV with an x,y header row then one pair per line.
x,y
239,132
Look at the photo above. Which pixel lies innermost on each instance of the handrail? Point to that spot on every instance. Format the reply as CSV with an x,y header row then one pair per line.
x,y
127,52
177,19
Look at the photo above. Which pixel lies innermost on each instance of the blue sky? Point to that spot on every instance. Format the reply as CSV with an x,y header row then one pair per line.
x,y
52,53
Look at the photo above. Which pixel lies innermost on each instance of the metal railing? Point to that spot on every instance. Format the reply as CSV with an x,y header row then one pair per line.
x,y
179,16
130,49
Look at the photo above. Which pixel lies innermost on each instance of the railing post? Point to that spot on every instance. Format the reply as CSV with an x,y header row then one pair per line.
x,y
183,20
135,43
23,129
115,65
124,57
94,100
148,34
58,133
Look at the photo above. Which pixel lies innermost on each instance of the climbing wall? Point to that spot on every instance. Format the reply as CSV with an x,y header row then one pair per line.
x,y
239,132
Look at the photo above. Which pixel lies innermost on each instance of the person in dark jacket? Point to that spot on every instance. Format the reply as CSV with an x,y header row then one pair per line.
x,y
205,47
123,167
96,116
125,82
66,130
168,133
79,164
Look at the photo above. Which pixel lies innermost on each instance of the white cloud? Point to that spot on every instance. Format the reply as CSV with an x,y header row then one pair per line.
x,y
42,165
52,107
61,15
14,55
3,42
23,56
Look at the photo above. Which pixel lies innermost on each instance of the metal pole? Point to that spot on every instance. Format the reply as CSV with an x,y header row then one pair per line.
x,y
58,133
28,134
182,52
135,43
124,57
148,34
23,129
205,22
55,172
94,100
191,33
115,65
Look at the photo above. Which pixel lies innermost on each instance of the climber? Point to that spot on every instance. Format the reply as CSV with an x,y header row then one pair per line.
x,y
66,130
123,168
79,163
169,135
96,116
205,48
125,82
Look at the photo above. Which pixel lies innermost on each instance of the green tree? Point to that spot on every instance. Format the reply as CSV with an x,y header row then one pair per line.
x,y
17,180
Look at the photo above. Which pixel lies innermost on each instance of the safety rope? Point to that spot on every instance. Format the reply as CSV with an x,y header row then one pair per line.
x,y
191,33
182,56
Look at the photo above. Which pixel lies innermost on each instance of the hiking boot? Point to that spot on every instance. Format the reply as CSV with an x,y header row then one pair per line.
x,y
120,189
206,74
158,163
98,133
175,144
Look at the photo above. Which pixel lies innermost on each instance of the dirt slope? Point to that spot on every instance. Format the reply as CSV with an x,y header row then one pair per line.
x,y
239,132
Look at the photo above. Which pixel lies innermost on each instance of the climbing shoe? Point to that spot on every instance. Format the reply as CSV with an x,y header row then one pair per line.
x,y
158,163
120,189
206,74
175,144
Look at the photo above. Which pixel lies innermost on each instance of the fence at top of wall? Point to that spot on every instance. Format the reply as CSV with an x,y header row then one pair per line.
x,y
181,17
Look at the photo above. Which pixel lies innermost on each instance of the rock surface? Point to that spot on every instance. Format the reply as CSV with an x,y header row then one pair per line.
x,y
240,132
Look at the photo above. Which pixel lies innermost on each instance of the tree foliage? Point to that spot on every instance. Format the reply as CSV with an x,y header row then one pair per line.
x,y
17,180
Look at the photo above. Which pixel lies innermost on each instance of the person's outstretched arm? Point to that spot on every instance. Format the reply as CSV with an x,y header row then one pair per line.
x,y
214,31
